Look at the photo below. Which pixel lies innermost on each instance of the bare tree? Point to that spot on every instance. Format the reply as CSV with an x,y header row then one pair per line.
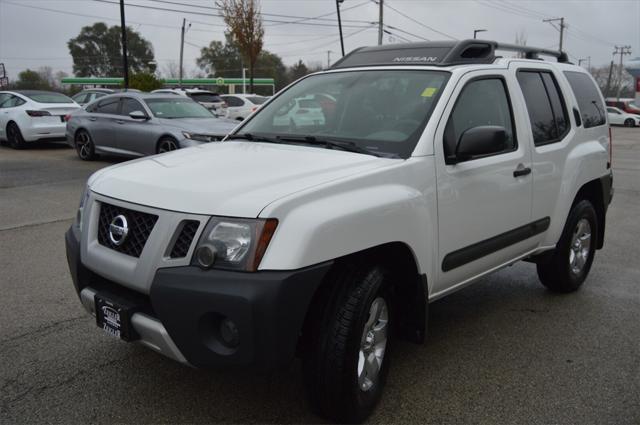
x,y
601,75
245,25
170,70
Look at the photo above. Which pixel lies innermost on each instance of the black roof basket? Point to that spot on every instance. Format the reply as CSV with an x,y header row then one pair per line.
x,y
439,53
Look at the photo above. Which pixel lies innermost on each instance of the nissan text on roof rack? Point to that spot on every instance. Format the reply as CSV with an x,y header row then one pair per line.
x,y
433,165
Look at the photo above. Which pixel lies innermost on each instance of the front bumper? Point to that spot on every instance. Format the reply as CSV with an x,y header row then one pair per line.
x,y
186,306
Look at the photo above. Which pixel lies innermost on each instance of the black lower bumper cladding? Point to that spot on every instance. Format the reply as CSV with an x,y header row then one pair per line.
x,y
267,308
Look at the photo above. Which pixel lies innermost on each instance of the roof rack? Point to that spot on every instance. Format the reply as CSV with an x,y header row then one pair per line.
x,y
439,53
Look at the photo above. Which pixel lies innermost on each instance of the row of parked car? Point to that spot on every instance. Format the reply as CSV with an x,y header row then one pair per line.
x,y
130,123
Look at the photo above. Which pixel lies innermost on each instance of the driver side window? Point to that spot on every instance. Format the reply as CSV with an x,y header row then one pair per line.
x,y
482,102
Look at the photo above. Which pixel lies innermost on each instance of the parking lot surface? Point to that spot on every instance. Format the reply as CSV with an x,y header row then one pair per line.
x,y
504,350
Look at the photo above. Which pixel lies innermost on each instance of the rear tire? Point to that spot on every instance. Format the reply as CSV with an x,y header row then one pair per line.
x,y
350,331
567,266
166,144
85,148
629,123
14,136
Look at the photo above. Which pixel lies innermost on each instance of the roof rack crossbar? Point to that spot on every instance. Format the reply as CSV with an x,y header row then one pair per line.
x,y
533,52
439,53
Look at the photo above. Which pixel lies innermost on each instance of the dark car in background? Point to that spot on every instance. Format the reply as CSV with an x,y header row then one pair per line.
x,y
138,124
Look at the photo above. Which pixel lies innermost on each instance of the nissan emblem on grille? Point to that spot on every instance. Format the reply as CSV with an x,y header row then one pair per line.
x,y
118,230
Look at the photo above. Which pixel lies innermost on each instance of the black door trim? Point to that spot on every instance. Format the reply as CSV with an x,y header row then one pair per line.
x,y
488,246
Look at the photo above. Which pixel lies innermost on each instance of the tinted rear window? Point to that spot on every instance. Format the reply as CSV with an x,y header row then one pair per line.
x,y
589,100
48,97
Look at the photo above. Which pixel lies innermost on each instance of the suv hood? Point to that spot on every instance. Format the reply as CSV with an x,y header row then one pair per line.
x,y
236,178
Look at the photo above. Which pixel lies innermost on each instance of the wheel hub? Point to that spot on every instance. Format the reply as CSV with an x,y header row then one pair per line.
x,y
580,248
373,344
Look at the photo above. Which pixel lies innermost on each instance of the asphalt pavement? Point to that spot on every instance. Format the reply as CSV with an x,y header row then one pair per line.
x,y
503,350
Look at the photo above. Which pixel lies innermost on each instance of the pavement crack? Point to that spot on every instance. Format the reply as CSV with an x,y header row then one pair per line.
x,y
38,223
45,329
36,390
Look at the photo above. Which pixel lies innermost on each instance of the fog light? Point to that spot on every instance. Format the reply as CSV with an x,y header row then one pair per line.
x,y
206,256
229,333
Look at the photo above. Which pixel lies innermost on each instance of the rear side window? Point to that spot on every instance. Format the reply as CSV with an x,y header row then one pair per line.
x,y
205,97
257,100
233,101
482,102
80,98
589,100
547,112
107,106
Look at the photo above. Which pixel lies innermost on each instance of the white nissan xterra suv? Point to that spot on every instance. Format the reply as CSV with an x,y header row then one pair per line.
x,y
434,164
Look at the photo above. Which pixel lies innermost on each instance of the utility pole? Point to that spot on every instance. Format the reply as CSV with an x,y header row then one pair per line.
x,y
125,62
184,21
580,61
562,27
329,58
380,22
340,25
622,50
606,90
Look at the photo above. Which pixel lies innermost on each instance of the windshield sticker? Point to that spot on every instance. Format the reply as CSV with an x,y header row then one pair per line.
x,y
429,92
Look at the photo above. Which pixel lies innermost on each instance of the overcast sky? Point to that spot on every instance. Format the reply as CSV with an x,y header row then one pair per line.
x,y
34,33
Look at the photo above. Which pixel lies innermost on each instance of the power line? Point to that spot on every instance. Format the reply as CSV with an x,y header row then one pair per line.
x,y
217,15
418,22
419,37
277,15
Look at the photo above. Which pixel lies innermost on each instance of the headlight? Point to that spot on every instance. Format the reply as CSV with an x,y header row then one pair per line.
x,y
236,244
201,137
83,202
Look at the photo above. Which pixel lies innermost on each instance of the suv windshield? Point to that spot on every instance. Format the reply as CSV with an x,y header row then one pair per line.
x,y
381,111
177,108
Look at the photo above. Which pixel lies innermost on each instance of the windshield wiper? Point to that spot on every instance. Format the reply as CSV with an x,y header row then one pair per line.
x,y
253,138
329,144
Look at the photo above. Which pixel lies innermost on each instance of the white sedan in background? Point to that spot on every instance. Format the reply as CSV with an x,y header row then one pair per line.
x,y
620,117
33,115
240,106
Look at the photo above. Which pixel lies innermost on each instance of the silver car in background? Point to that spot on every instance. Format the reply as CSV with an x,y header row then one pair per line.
x,y
138,124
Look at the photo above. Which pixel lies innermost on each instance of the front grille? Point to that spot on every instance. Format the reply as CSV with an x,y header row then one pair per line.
x,y
140,226
183,242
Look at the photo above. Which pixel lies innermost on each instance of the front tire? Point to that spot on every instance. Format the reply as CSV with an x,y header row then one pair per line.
x,y
629,123
569,263
347,360
14,135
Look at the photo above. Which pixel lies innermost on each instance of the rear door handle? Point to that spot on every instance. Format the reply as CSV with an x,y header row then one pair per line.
x,y
92,118
120,121
521,171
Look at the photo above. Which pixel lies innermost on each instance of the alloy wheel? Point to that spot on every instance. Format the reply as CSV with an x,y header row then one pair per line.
x,y
167,145
373,344
83,145
580,247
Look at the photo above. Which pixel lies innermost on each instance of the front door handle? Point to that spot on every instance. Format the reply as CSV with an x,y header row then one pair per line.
x,y
120,121
521,171
92,118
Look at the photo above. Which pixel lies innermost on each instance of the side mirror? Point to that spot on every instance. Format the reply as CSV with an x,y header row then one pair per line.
x,y
482,140
138,115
